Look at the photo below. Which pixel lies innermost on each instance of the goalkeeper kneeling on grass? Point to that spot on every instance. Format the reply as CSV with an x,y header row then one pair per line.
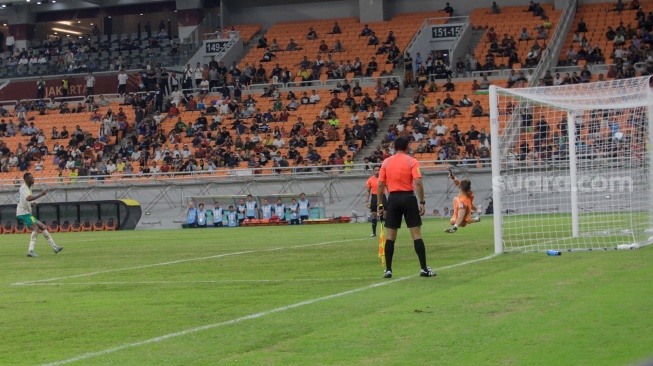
x,y
463,205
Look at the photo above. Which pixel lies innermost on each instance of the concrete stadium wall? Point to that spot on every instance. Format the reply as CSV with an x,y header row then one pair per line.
x,y
269,12
342,196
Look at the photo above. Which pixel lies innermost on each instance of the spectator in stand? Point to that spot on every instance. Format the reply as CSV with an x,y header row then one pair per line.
x,y
585,75
373,40
495,8
618,7
582,26
292,46
449,86
477,110
335,29
312,34
323,47
366,32
448,9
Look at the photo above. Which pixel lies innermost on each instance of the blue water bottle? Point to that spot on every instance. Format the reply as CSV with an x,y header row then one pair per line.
x,y
553,252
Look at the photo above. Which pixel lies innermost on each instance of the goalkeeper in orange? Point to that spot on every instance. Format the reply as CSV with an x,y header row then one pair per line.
x,y
463,205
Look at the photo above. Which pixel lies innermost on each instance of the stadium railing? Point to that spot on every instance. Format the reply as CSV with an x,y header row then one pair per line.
x,y
219,174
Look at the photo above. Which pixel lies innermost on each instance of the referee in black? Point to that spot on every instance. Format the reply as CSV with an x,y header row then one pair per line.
x,y
401,175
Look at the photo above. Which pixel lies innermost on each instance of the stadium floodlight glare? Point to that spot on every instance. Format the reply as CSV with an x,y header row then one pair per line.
x,y
571,168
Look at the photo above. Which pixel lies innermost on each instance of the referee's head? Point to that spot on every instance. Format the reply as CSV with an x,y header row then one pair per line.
x,y
401,144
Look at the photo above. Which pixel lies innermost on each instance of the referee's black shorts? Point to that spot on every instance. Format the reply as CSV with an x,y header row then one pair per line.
x,y
374,204
402,205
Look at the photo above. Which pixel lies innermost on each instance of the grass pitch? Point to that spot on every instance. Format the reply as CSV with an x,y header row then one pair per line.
x,y
313,295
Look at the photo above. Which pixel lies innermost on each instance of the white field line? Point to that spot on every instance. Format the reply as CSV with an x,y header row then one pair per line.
x,y
190,282
179,261
247,317
44,244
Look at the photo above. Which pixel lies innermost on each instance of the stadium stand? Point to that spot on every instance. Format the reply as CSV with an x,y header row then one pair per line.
x,y
26,147
248,31
451,145
100,53
596,25
503,29
355,45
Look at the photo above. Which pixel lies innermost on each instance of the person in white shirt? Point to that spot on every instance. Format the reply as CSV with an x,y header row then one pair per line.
x,y
136,155
256,138
558,80
278,142
24,214
176,96
315,97
122,82
90,84
111,167
197,74
440,129
185,153
154,169
23,61
10,42
204,85
42,60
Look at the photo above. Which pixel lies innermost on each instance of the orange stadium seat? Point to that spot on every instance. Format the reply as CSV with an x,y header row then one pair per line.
x,y
99,225
65,227
53,227
8,228
87,225
76,227
110,225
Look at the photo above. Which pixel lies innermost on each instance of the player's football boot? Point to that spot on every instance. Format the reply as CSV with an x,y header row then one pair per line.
x,y
57,250
32,253
373,236
451,230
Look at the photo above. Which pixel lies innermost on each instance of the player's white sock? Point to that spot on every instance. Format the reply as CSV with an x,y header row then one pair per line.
x,y
47,236
32,240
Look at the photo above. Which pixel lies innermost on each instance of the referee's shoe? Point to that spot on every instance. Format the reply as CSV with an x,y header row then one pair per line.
x,y
427,273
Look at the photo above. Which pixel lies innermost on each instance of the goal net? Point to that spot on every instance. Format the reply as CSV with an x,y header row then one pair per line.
x,y
571,166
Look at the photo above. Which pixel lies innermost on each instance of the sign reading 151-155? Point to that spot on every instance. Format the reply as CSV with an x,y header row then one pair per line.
x,y
446,31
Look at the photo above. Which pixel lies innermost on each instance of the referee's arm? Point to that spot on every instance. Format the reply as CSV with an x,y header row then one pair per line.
x,y
379,198
367,196
419,190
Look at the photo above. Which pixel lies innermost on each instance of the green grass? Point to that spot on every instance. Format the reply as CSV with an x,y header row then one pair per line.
x,y
587,308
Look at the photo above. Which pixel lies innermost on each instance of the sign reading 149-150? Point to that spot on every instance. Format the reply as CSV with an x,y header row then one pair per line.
x,y
446,31
215,46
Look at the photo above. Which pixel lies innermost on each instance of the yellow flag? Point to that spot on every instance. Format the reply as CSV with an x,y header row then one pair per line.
x,y
382,245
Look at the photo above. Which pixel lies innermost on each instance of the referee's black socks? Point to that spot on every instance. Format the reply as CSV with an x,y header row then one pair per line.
x,y
374,226
420,249
389,252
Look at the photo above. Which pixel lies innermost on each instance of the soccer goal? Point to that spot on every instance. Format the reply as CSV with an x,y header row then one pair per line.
x,y
571,166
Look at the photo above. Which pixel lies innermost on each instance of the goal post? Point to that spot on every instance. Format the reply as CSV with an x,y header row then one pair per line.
x,y
572,166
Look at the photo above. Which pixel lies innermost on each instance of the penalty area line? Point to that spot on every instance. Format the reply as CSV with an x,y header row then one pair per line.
x,y
248,317
26,283
109,283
